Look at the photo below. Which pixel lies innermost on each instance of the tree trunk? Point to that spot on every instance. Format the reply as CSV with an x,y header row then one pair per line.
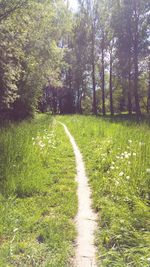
x,y
60,106
136,66
148,98
93,72
103,78
110,85
129,87
79,100
129,66
94,90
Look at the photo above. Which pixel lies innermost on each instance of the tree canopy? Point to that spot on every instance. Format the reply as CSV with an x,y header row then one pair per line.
x,y
95,60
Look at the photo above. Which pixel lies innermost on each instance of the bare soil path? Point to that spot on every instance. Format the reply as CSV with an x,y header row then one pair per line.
x,y
86,218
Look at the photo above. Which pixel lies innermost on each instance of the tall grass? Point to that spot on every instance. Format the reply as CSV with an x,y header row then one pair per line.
x,y
21,162
37,195
117,156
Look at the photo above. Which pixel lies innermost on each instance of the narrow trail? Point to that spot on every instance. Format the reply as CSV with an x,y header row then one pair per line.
x,y
86,218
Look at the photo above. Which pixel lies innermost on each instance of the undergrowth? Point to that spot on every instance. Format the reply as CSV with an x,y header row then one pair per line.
x,y
117,159
37,195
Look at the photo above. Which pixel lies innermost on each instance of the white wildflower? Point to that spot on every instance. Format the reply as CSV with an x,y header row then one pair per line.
x,y
121,174
130,141
147,196
148,170
41,144
127,177
134,154
127,199
15,230
112,167
126,156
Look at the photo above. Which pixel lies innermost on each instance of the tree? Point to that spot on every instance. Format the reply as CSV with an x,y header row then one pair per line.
x,y
9,7
97,56
148,97
30,55
111,80
128,24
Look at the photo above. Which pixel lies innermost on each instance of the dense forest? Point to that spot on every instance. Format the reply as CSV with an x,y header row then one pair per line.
x,y
95,60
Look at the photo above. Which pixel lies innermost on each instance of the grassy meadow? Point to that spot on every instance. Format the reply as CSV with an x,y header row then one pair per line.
x,y
38,199
117,158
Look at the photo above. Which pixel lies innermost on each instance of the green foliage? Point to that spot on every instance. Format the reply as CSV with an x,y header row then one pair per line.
x,y
44,45
7,7
10,68
117,159
30,54
102,54
37,195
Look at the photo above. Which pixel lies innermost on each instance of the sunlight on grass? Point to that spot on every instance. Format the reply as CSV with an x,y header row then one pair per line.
x,y
117,159
38,199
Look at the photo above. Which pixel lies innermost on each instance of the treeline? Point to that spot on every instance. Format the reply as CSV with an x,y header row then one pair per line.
x,y
94,61
109,56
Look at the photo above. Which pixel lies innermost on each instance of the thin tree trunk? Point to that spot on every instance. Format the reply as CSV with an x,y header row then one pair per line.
x,y
129,66
60,106
103,78
136,67
129,88
148,98
93,71
78,102
110,85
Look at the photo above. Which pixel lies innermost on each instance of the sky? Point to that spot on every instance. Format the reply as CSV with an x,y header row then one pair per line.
x,y
73,4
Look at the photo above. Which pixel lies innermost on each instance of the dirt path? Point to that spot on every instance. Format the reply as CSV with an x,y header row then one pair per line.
x,y
86,218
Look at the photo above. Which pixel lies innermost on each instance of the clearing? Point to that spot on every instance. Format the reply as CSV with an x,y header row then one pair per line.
x,y
38,192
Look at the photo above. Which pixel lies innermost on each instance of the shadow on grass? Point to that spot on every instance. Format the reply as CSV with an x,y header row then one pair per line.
x,y
128,119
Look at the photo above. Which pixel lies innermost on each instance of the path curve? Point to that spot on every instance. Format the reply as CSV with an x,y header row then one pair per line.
x,y
86,218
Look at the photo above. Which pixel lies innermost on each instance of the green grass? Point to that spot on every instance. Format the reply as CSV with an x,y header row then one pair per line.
x,y
38,199
117,157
